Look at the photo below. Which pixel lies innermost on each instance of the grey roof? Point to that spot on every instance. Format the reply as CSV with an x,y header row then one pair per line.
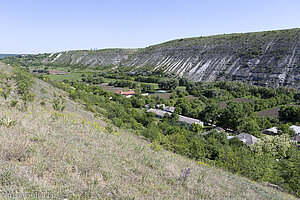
x,y
296,138
166,108
185,119
247,138
205,133
272,130
230,137
189,120
295,128
161,105
219,129
170,109
158,112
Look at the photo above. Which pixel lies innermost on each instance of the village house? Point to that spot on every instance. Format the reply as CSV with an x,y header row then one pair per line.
x,y
166,108
145,94
161,113
205,133
271,131
219,129
296,139
245,138
295,128
125,93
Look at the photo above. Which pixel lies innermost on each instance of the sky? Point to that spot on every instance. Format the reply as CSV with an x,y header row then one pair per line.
x,y
40,26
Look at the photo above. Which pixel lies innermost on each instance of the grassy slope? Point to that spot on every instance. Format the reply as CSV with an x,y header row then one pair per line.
x,y
76,158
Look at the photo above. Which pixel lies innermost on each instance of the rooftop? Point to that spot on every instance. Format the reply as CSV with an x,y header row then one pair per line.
x,y
182,118
125,92
272,130
295,128
247,138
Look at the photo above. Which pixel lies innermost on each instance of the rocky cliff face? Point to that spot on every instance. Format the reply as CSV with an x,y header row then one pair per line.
x,y
270,58
89,58
265,58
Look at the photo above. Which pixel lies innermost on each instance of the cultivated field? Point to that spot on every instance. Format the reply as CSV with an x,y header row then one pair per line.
x,y
106,87
223,104
162,95
273,112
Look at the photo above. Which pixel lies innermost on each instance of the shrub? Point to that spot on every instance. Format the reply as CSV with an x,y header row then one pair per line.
x,y
58,104
13,103
8,122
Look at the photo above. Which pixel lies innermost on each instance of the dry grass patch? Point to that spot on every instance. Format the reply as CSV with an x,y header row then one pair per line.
x,y
55,152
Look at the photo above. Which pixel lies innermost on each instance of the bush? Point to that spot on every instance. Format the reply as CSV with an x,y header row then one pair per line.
x,y
43,103
8,122
58,104
13,103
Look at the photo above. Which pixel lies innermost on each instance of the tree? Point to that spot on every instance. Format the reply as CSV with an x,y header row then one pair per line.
x,y
168,84
251,127
152,132
290,170
5,87
24,83
277,145
196,128
173,83
290,114
137,101
210,113
178,143
147,87
183,81
232,116
163,84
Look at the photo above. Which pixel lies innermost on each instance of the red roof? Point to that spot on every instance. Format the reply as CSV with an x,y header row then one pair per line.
x,y
125,93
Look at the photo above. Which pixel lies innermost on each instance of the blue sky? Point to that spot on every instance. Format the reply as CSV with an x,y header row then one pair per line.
x,y
37,26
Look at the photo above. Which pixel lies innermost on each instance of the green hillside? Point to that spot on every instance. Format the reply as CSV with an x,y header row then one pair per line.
x,y
68,152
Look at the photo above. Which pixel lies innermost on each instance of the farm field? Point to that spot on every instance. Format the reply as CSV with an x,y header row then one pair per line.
x,y
162,95
69,76
272,112
106,87
191,97
223,104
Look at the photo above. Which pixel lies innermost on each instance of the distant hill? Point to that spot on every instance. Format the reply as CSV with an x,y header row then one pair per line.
x,y
7,55
270,58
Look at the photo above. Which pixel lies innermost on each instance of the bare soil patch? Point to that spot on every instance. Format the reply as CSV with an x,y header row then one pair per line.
x,y
191,97
272,112
223,104
162,95
107,87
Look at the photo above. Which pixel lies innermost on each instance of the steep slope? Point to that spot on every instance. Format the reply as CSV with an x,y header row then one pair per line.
x,y
270,58
72,155
90,58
